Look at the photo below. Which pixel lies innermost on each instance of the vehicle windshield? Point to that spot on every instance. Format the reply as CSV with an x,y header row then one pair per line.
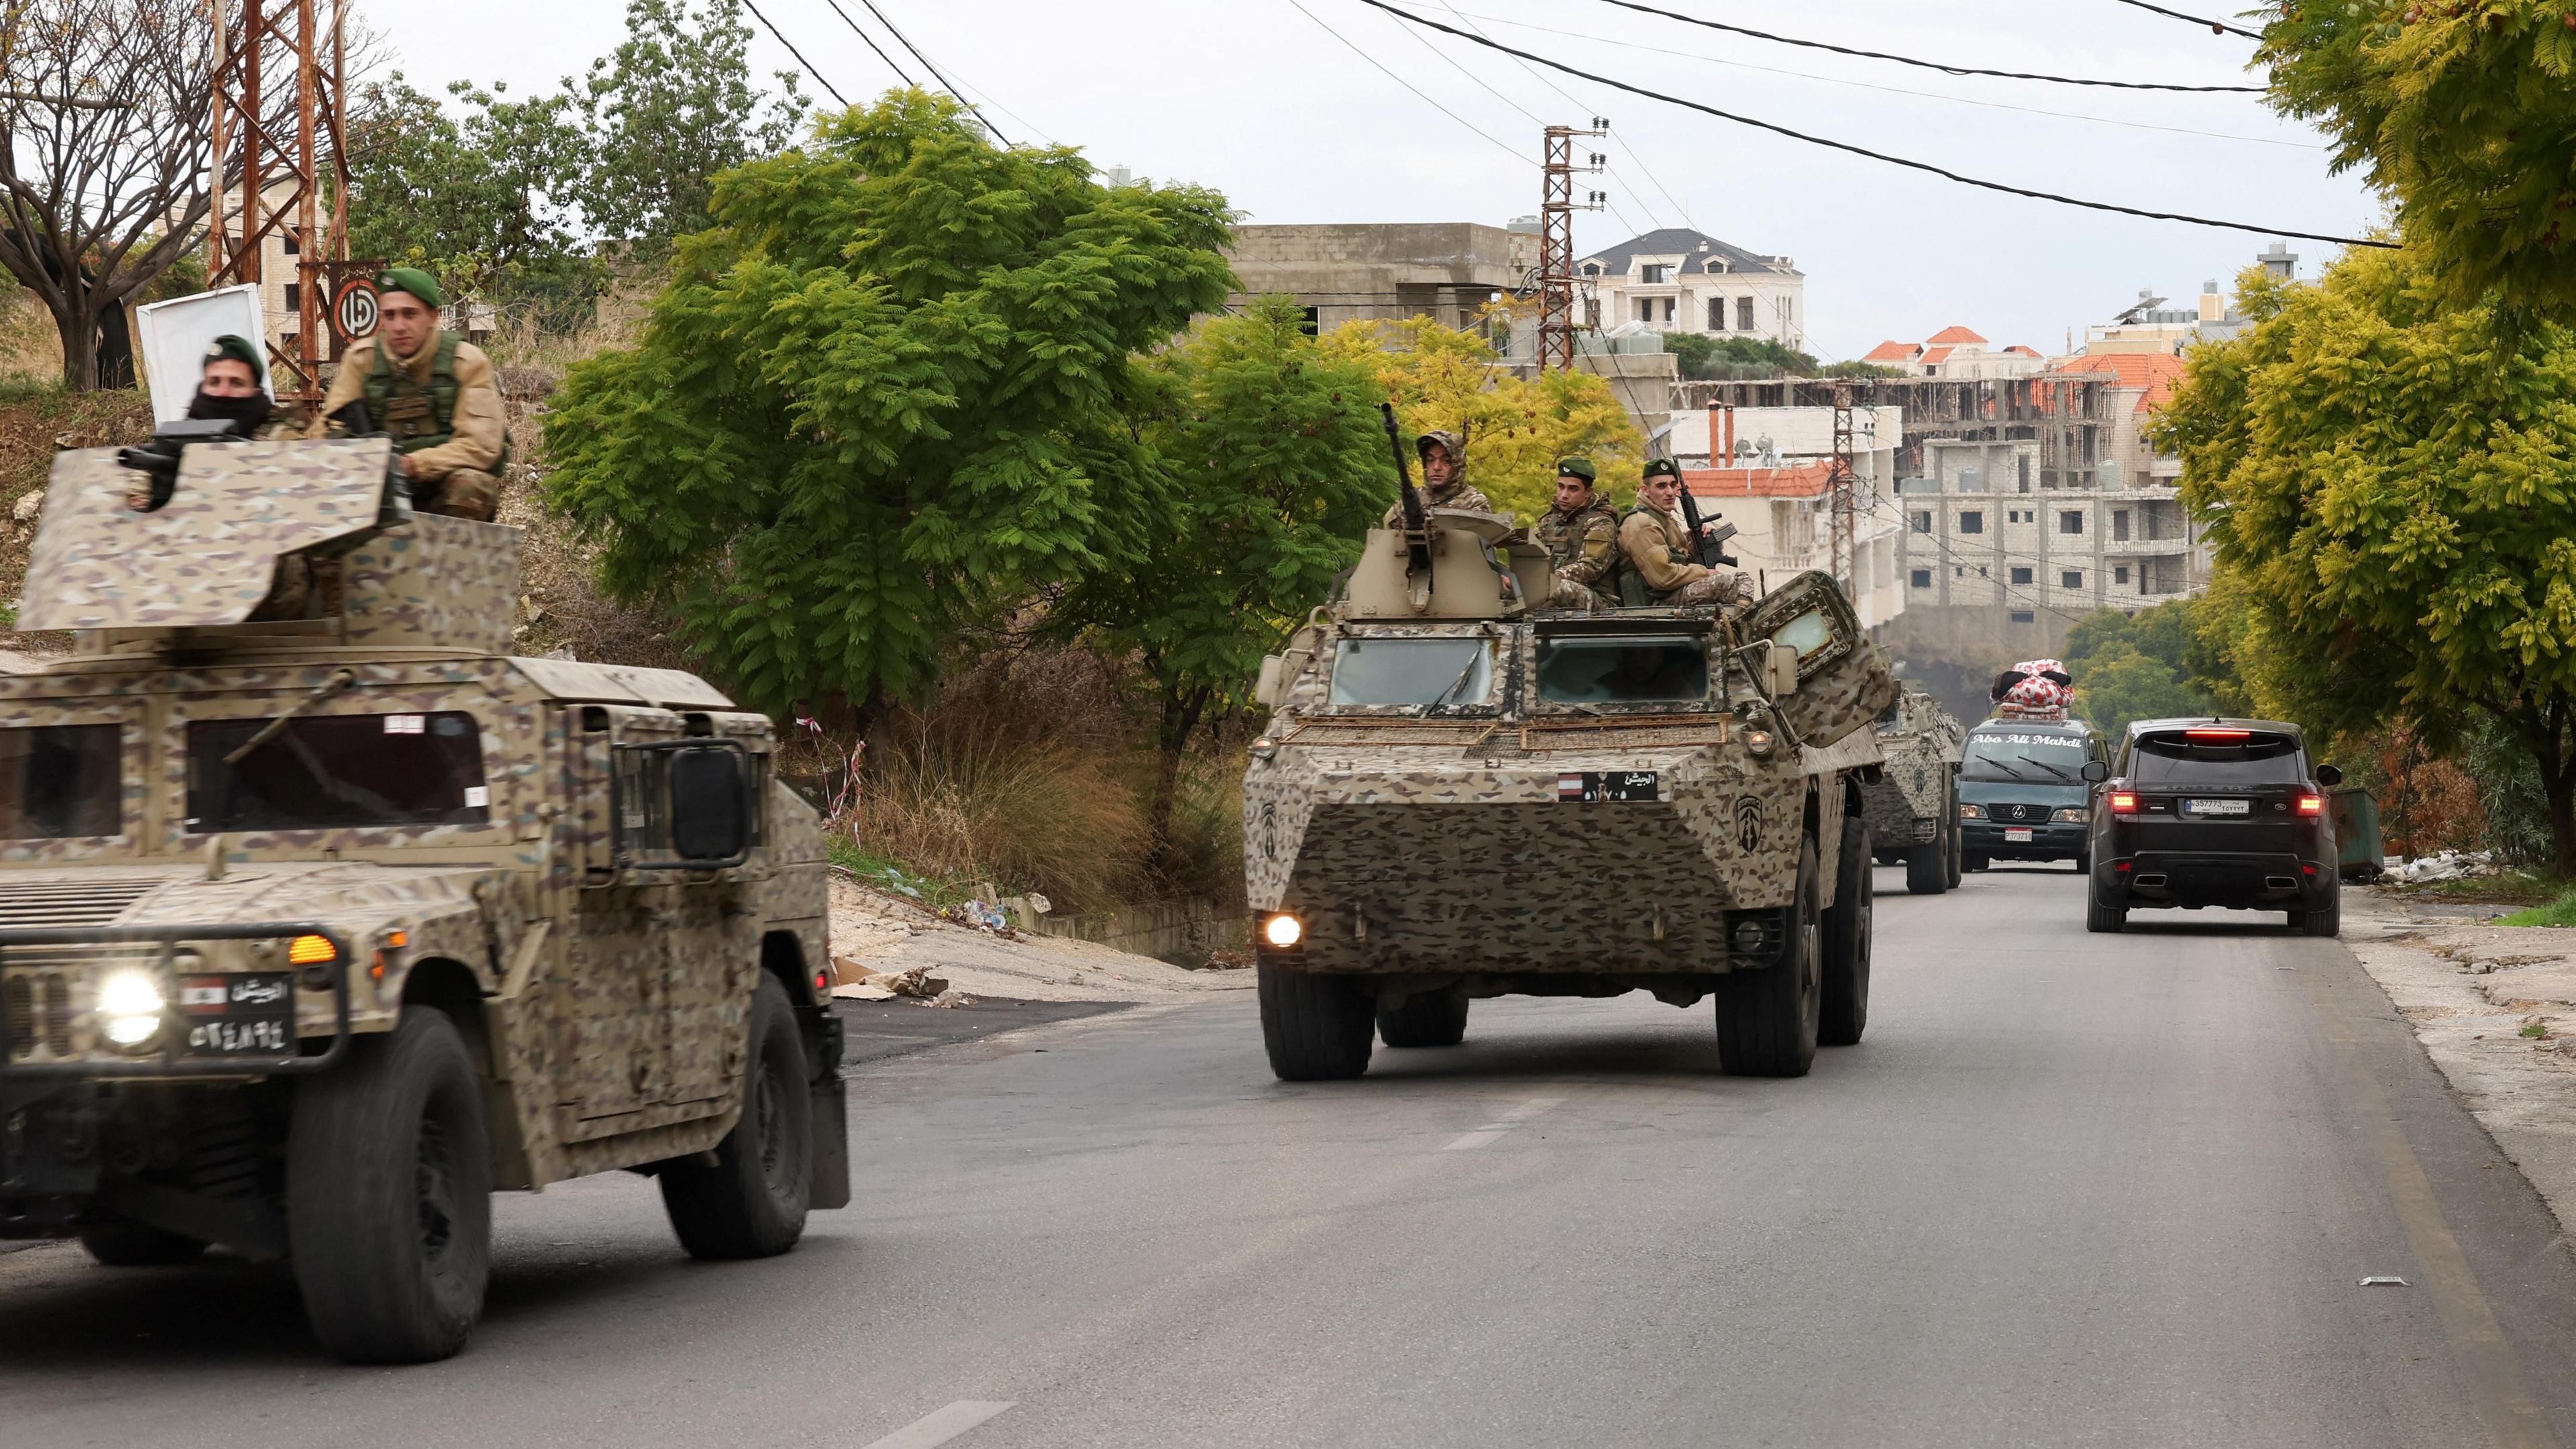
x,y
59,781
2023,755
1424,672
1632,669
2247,759
335,772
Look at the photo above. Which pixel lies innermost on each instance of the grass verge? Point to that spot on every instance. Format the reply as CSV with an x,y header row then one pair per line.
x,y
2511,888
2558,912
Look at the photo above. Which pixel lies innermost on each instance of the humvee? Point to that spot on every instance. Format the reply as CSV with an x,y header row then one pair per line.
x,y
1913,797
1459,795
315,931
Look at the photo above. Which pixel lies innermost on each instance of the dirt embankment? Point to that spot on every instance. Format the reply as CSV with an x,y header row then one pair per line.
x,y
35,424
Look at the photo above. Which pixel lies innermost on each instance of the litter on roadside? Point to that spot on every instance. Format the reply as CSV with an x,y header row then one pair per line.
x,y
2383,1280
2448,865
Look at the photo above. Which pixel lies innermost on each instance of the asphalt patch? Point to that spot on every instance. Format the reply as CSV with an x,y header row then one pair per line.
x,y
880,1029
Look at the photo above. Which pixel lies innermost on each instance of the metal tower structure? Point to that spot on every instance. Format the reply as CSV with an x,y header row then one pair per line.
x,y
1846,503
280,167
1557,207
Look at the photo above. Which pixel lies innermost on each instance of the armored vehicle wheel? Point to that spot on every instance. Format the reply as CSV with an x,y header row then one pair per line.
x,y
1843,1012
389,1196
1317,1027
1767,1020
1430,1019
2084,863
2102,919
1974,861
2328,922
1927,867
132,1245
1952,839
750,1202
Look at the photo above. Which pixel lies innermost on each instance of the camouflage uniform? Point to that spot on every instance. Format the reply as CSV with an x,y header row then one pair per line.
x,y
1584,547
1457,494
1657,547
454,472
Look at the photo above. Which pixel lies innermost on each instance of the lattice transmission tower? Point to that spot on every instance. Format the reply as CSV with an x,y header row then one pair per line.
x,y
1557,206
278,124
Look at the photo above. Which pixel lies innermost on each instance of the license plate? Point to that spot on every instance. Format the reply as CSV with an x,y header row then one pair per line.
x,y
1608,785
2217,807
2017,835
239,1015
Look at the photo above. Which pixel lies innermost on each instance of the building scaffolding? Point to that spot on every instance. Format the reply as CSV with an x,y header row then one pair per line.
x,y
1557,206
278,122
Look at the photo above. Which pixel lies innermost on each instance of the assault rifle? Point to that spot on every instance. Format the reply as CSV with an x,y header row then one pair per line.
x,y
1418,543
1706,548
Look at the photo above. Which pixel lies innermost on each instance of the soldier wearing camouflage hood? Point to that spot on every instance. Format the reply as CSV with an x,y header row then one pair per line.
x,y
1656,546
1581,535
1444,477
434,392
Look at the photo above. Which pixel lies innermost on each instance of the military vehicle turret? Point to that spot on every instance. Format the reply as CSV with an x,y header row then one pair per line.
x,y
1913,796
1459,795
316,930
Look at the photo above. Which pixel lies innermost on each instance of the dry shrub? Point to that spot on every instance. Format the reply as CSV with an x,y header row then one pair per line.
x,y
2426,804
31,348
1207,829
958,800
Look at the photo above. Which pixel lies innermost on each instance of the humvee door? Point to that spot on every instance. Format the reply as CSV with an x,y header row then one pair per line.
x,y
1843,679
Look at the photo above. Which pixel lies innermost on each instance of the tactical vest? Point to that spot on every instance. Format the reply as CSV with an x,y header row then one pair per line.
x,y
416,416
1633,593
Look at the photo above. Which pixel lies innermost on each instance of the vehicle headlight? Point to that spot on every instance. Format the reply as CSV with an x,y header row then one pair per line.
x,y
130,1005
2072,815
1972,812
1757,742
1283,931
1264,747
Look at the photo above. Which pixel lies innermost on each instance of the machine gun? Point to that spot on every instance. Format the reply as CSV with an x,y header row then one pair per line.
x,y
1418,545
1706,548
159,459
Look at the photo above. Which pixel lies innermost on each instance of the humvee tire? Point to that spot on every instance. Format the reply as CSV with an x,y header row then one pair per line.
x,y
2101,919
1767,1020
1426,1019
133,1245
1843,984
389,1195
751,1201
1317,1028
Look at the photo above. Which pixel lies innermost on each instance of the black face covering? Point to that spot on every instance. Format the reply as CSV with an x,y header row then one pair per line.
x,y
246,414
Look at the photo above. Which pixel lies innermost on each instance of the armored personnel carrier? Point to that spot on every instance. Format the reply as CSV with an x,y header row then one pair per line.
x,y
1913,797
1461,796
314,931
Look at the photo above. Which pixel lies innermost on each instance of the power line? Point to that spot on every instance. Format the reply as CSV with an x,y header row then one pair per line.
x,y
1925,64
1873,86
1399,80
2215,27
933,67
899,73
792,50
1925,166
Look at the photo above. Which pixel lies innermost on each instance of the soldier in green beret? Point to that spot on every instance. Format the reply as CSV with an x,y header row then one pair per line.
x,y
230,388
434,392
1657,548
1581,534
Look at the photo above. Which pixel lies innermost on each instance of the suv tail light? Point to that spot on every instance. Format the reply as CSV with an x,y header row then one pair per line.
x,y
2124,802
2312,804
2217,737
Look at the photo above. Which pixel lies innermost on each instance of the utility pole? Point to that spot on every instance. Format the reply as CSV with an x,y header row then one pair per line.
x,y
1846,505
280,168
1556,210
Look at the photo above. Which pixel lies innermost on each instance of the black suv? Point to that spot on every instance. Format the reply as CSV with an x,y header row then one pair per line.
x,y
2214,812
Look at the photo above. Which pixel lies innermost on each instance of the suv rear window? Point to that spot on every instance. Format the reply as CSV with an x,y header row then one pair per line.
x,y
2216,757
337,772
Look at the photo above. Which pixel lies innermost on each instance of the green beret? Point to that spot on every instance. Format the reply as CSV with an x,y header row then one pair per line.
x,y
1575,468
413,280
1663,468
238,349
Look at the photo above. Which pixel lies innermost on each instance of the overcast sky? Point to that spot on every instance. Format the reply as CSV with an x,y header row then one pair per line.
x,y
1264,103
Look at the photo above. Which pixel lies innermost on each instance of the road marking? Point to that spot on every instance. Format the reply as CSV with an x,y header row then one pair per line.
x,y
1504,1121
941,1425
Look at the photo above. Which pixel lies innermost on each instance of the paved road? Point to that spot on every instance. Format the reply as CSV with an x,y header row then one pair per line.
x,y
2071,1191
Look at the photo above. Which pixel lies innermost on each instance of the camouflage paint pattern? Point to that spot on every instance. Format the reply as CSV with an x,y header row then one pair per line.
x,y
586,979
1920,745
209,555
1411,842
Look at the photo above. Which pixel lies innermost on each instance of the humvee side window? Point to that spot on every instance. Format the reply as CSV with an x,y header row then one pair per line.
x,y
338,772
1422,672
1639,669
59,781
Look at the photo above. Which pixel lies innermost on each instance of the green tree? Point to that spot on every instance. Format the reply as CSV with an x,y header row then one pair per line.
x,y
2134,666
482,198
1277,466
2391,483
2464,114
886,397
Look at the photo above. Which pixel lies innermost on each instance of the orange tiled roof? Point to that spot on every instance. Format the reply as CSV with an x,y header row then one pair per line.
x,y
1955,334
1892,351
2152,373
1935,354
1798,480
2024,351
